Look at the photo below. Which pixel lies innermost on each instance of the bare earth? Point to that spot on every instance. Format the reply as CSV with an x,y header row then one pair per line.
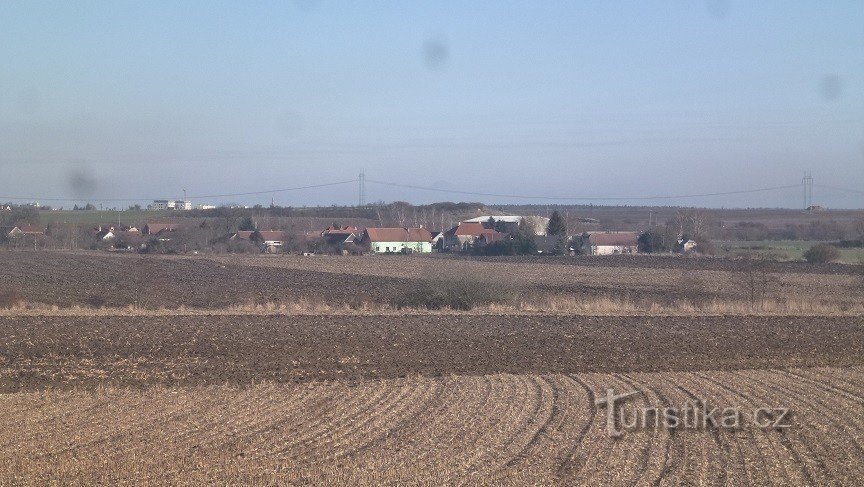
x,y
495,429
364,397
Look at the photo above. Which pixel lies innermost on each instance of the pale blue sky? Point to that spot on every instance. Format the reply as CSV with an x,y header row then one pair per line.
x,y
541,98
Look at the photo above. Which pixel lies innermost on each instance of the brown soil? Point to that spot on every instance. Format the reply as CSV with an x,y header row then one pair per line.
x,y
40,352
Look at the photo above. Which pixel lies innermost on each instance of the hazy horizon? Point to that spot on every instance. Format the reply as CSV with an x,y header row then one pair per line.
x,y
107,100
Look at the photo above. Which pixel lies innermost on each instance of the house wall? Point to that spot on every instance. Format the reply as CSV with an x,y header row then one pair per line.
x,y
612,249
381,247
457,243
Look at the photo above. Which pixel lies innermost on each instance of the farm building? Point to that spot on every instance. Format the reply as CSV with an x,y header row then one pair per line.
x,y
271,240
21,231
685,245
437,240
340,236
609,243
104,233
463,236
490,237
391,240
469,234
511,222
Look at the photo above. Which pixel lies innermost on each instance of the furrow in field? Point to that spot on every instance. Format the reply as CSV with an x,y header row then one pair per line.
x,y
836,420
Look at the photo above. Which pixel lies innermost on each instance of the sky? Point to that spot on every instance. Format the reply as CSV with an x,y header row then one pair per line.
x,y
142,100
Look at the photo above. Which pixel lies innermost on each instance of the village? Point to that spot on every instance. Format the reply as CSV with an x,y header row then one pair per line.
x,y
482,235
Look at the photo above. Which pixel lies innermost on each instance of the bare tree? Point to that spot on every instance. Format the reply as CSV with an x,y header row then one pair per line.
x,y
756,282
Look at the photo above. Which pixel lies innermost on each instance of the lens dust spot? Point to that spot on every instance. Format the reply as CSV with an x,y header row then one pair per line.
x,y
81,180
831,87
435,53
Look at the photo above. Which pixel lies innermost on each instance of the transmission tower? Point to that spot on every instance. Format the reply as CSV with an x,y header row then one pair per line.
x,y
361,190
807,182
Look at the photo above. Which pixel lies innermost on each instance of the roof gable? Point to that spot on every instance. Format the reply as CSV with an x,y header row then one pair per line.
x,y
473,229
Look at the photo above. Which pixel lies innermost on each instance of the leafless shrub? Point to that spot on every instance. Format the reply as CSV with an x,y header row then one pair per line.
x,y
95,301
458,293
756,282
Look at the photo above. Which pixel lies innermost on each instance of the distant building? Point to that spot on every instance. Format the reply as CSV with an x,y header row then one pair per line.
x,y
162,205
468,234
340,236
205,207
397,240
21,231
158,228
271,240
609,243
511,222
685,245
171,205
104,233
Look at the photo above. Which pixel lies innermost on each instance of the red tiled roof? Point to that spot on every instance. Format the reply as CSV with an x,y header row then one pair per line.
x,y
31,229
474,229
348,230
617,239
398,235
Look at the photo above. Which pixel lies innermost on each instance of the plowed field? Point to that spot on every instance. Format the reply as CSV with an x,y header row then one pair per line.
x,y
378,396
488,430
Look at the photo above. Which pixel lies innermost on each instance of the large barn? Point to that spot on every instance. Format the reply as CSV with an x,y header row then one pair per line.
x,y
610,243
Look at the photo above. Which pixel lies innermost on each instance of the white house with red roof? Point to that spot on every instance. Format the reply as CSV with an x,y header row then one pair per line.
x,y
397,240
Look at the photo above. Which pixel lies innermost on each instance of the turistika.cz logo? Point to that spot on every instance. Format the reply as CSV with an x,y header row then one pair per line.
x,y
695,414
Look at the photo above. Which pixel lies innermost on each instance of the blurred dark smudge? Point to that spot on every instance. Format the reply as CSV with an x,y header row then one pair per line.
x,y
81,180
435,53
831,87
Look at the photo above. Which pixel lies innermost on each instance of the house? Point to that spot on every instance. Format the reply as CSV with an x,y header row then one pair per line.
x,y
489,237
510,223
338,229
104,233
609,243
339,236
685,245
392,240
271,240
158,228
463,236
437,240
21,231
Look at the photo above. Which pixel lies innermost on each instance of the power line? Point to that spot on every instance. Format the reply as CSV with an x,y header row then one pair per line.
x,y
249,193
311,186
584,198
837,188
